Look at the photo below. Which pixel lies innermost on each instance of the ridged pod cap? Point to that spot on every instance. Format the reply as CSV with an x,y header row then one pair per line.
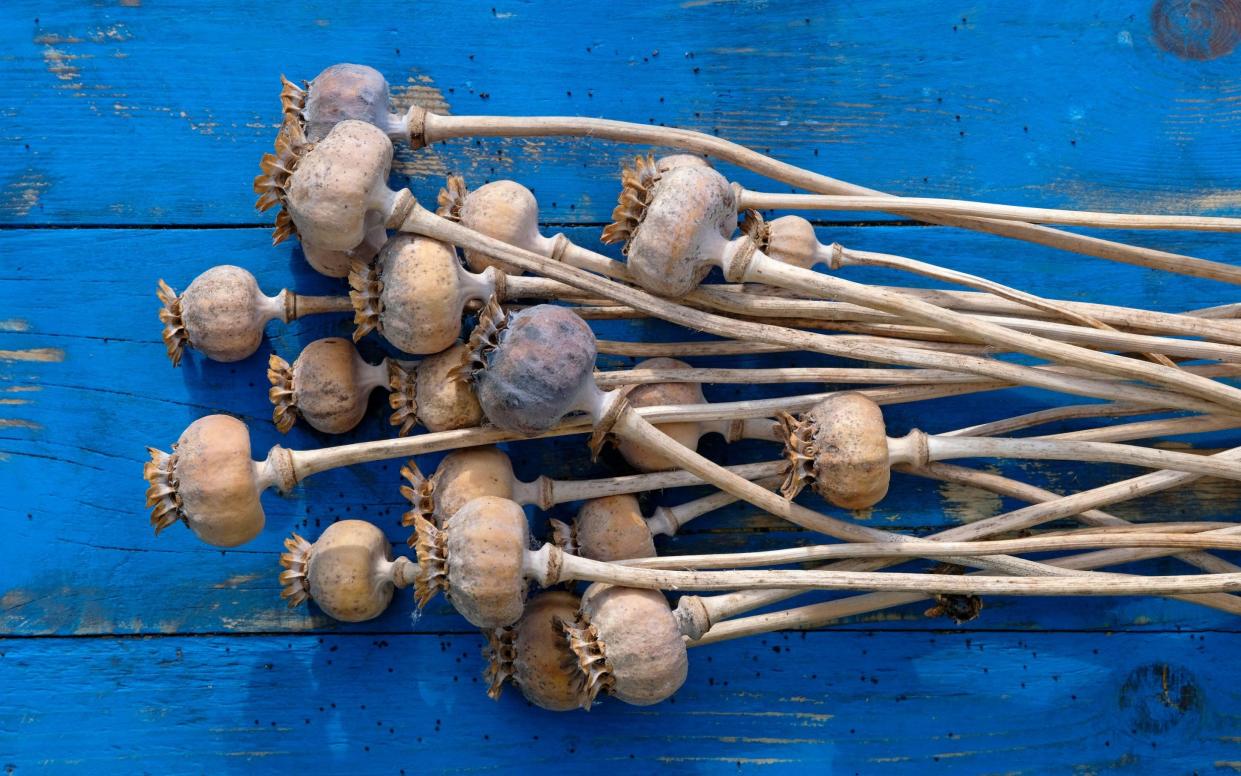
x,y
336,182
542,361
612,528
655,394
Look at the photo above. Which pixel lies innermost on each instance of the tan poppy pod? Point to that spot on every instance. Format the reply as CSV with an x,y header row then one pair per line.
x,y
505,210
790,239
612,528
222,314
445,402
470,473
655,394
672,161
414,294
841,446
348,571
673,223
627,643
208,481
328,385
533,654
476,559
336,264
336,182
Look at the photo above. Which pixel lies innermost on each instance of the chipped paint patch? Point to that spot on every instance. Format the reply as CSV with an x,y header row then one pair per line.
x,y
737,760
11,402
237,581
20,196
419,90
60,64
22,388
967,504
18,423
45,355
14,324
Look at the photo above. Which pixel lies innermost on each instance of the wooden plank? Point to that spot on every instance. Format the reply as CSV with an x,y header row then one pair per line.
x,y
901,703
1103,105
90,387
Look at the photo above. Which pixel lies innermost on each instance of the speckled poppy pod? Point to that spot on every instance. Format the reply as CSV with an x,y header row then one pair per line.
x,y
223,312
272,186
627,643
329,382
533,655
349,571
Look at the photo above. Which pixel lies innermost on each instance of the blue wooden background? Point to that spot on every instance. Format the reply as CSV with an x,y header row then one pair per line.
x,y
131,132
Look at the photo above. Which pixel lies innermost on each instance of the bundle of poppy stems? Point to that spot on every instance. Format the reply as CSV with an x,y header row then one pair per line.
x,y
499,314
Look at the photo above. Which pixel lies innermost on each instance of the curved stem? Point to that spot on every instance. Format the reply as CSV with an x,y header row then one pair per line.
x,y
780,375
919,206
421,221
564,491
439,127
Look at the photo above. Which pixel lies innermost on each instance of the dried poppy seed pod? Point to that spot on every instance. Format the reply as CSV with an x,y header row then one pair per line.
x,y
533,654
789,239
534,367
340,93
673,223
466,474
477,560
655,394
628,643
348,572
841,446
414,294
336,264
336,183
210,482
329,383
609,528
222,313
505,210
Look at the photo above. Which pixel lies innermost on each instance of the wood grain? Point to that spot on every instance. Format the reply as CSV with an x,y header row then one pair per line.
x,y
158,113
131,132
850,702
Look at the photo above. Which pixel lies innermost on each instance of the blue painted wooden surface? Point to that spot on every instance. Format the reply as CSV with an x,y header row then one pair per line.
x,y
130,137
